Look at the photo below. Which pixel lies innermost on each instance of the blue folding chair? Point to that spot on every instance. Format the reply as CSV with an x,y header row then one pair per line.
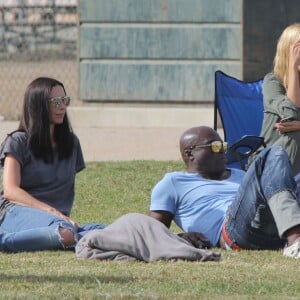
x,y
240,106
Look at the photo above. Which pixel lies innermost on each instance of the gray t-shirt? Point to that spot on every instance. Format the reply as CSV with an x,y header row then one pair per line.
x,y
51,183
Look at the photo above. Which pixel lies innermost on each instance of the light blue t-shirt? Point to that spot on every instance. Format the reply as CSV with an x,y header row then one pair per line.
x,y
198,204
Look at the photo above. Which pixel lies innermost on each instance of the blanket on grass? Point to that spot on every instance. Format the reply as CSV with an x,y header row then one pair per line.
x,y
139,237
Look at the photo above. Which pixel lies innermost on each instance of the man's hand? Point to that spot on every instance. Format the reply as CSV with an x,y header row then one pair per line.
x,y
196,239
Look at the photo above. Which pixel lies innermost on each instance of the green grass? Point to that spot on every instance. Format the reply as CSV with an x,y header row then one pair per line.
x,y
107,190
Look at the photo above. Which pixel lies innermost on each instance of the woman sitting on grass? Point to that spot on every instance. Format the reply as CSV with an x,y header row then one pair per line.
x,y
40,159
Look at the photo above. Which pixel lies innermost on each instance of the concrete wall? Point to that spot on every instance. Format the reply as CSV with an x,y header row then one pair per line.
x,y
168,50
157,50
263,22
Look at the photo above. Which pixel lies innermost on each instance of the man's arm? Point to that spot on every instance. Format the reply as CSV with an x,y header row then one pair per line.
x,y
196,239
162,198
163,216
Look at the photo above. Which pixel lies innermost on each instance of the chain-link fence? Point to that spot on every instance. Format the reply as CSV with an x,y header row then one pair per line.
x,y
37,38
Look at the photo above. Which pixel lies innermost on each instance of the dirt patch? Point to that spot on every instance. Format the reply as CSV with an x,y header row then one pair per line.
x,y
116,143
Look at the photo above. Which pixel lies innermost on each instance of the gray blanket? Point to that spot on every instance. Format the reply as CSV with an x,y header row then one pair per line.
x,y
139,237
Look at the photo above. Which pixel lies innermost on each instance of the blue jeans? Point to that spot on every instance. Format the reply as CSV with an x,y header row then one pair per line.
x,y
250,222
29,229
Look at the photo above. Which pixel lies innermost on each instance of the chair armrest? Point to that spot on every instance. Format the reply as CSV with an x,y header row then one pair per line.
x,y
244,147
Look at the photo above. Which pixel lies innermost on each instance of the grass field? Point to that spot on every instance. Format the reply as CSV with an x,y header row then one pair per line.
x,y
107,190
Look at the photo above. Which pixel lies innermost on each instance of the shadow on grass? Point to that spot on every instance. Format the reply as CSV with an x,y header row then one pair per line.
x,y
82,279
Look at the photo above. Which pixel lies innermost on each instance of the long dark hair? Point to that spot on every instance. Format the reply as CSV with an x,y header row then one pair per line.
x,y
35,121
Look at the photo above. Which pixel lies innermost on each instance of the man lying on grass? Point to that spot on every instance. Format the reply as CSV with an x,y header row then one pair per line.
x,y
257,209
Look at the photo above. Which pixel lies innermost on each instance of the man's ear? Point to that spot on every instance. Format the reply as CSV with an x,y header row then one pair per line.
x,y
188,153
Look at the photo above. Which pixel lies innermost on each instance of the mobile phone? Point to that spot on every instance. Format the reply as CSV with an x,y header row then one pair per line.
x,y
287,119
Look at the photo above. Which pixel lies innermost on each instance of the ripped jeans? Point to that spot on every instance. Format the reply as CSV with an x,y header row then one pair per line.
x,y
29,229
252,222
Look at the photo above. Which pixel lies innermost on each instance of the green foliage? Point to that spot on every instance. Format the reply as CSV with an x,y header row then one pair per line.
x,y
107,190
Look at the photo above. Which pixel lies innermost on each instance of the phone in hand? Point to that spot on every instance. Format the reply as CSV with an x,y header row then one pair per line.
x,y
287,119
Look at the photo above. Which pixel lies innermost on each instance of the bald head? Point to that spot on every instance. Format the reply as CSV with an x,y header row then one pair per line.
x,y
197,153
194,136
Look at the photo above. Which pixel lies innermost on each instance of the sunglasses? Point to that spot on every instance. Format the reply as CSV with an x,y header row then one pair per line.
x,y
216,146
56,102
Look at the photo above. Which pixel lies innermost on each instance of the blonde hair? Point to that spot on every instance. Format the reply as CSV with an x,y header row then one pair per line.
x,y
289,36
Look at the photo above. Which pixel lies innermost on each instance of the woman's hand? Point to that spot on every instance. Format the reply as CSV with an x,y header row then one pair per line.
x,y
293,79
295,55
64,217
288,126
72,222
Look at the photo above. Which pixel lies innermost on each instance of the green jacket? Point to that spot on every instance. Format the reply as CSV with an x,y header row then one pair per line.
x,y
276,106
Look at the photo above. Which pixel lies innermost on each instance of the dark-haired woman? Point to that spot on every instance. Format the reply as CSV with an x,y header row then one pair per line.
x,y
41,159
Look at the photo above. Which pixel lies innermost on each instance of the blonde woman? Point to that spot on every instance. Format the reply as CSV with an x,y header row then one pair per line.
x,y
281,93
